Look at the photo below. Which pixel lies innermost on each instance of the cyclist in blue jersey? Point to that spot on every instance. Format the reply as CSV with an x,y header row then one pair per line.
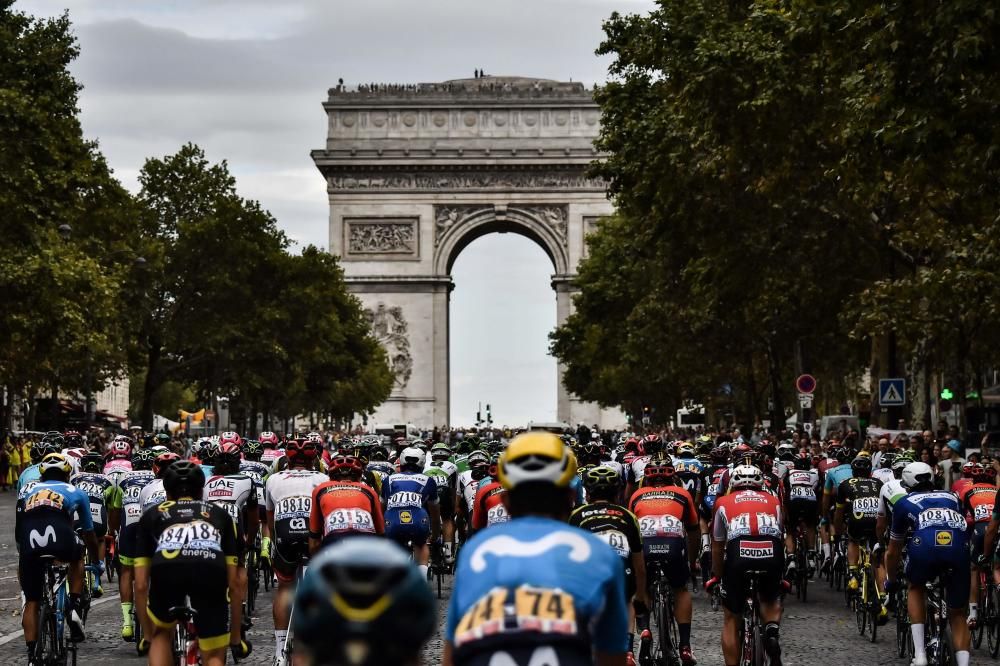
x,y
33,473
412,511
831,483
534,589
44,526
931,525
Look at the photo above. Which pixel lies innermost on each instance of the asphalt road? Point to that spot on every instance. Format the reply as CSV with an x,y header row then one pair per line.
x,y
818,633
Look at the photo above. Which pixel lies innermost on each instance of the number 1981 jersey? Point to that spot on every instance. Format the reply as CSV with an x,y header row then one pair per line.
x,y
289,495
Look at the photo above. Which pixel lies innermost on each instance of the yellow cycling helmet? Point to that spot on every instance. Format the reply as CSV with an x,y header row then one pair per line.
x,y
55,461
536,456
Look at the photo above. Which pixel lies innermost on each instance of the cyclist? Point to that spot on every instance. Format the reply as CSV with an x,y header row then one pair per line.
x,y
343,505
272,447
445,475
617,526
931,526
187,551
412,510
393,601
856,516
978,504
747,536
488,507
714,472
534,589
33,473
668,521
127,512
100,491
118,458
802,507
786,459
288,497
689,470
378,461
478,463
832,478
45,527
651,446
884,471
153,492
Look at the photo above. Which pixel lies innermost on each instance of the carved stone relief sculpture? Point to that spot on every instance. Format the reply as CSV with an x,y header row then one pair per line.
x,y
381,236
389,327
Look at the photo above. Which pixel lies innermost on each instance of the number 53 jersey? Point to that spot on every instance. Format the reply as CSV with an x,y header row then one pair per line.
x,y
535,583
188,532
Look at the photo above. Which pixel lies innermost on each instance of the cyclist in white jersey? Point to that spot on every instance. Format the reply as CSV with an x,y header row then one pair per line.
x,y
154,493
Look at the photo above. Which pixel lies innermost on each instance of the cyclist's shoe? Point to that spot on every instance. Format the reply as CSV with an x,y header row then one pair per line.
x,y
790,569
128,633
918,661
883,615
629,659
825,568
97,591
241,650
811,563
645,648
142,647
687,656
852,582
771,644
76,631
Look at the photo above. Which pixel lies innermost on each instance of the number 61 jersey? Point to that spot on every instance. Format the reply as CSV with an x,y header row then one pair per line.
x,y
186,531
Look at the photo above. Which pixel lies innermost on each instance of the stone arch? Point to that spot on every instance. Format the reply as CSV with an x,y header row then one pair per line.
x,y
457,227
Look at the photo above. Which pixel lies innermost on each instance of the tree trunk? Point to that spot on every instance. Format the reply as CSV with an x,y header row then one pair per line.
x,y
151,385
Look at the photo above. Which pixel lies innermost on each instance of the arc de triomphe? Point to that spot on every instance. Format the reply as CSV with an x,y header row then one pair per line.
x,y
416,173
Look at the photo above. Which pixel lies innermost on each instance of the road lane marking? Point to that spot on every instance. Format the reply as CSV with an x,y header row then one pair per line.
x,y
20,632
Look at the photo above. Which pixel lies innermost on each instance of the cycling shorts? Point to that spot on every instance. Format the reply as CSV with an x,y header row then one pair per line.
x,y
58,541
861,531
407,526
670,554
288,555
977,538
527,655
805,511
924,564
208,589
128,546
446,499
765,555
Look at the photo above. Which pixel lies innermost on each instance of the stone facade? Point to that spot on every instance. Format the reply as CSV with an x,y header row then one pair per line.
x,y
416,173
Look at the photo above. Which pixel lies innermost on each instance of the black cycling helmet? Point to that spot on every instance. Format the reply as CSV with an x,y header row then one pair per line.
x,y
861,467
47,445
602,482
252,449
885,462
361,590
184,478
143,459
92,462
803,461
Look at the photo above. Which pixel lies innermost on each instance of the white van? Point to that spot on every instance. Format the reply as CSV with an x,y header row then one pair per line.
x,y
410,431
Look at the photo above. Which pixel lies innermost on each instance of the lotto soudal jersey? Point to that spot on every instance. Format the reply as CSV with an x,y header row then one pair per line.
x,y
289,495
189,533
233,492
152,494
979,502
340,508
100,490
859,499
613,524
747,513
664,511
802,485
127,498
488,508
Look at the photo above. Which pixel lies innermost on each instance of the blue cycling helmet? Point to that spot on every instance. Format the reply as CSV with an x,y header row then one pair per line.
x,y
362,590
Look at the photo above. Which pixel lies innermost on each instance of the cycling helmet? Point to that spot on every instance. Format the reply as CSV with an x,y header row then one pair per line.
x,y
440,451
479,465
269,440
987,475
536,457
803,461
345,467
228,458
633,445
786,451
685,450
969,468
412,458
742,451
55,465
746,477
183,478
378,454
73,439
93,462
56,439
917,475
163,461
842,454
590,452
209,452
658,471
720,455
652,444
120,448
230,437
361,590
861,467
301,451
885,462
602,481
899,465
143,459
43,448
252,449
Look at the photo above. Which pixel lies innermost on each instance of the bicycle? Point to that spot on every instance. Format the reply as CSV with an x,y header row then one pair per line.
x,y
253,580
801,565
184,645
989,615
54,647
110,558
904,637
288,648
664,621
867,604
940,651
752,651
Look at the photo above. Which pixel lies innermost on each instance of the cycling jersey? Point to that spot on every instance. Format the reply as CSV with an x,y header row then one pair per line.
x,y
187,546
536,584
383,469
487,507
883,474
749,522
341,508
891,492
407,496
257,471
689,471
100,491
288,495
858,497
979,502
127,501
637,469
666,514
152,494
237,495
445,475
934,529
802,485
834,477
270,456
617,526
117,468
960,487
467,487
28,479
712,487
43,525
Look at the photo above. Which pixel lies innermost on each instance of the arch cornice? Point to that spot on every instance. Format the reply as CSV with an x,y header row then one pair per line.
x,y
457,226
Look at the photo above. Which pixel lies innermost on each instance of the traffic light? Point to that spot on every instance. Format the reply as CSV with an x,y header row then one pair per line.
x,y
944,405
947,394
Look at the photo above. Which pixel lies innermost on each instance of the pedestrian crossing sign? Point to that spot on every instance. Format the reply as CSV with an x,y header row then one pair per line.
x,y
892,392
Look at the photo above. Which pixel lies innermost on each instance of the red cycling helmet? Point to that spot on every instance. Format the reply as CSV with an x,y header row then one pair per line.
x,y
988,475
301,451
268,438
345,467
659,471
230,437
163,461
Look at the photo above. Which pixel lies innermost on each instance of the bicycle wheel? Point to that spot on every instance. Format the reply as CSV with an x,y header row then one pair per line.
x,y
903,635
253,580
977,633
991,620
266,574
874,603
758,644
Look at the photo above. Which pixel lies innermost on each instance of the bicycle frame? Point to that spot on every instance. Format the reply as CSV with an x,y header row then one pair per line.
x,y
662,611
752,640
938,636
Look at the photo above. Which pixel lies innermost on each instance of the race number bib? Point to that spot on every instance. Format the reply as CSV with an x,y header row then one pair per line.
x,y
940,518
295,506
348,520
982,512
497,514
661,526
802,492
197,534
617,541
405,499
538,610
45,498
865,507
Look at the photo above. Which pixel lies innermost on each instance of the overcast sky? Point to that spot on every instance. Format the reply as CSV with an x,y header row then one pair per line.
x,y
245,79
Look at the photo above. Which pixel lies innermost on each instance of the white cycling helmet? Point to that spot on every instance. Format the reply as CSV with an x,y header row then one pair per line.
x,y
746,477
411,456
917,473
